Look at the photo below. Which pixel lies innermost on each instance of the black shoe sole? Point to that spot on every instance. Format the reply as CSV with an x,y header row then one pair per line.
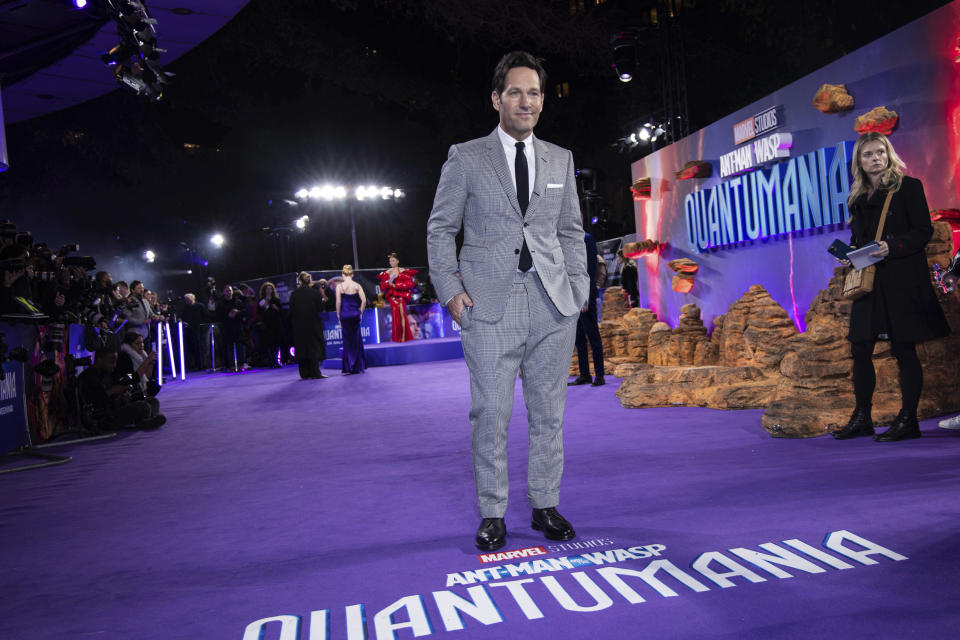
x,y
550,535
858,434
490,546
880,438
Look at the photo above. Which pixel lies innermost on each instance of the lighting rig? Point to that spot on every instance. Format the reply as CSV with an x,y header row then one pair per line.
x,y
135,58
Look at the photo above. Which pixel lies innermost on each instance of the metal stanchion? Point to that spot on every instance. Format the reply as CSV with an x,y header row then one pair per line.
x,y
159,355
183,362
173,361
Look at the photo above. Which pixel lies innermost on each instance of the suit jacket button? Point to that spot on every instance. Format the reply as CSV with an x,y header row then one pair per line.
x,y
516,251
526,224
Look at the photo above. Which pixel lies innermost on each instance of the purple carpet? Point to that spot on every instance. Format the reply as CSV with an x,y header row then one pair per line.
x,y
270,508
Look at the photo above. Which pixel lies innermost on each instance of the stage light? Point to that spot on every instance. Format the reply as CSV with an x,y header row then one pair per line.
x,y
594,220
80,4
302,222
360,193
315,192
149,256
189,272
217,240
624,54
303,194
644,134
398,193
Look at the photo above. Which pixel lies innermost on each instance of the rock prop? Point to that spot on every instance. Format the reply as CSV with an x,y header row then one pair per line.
x,y
615,303
735,369
832,98
879,119
947,215
641,189
682,283
756,358
695,169
815,393
638,249
685,269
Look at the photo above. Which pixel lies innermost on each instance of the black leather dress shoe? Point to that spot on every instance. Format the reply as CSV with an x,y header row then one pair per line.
x,y
578,381
491,535
860,424
598,381
553,525
904,427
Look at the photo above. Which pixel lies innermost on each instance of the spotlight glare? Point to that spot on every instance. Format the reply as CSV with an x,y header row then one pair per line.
x,y
80,4
626,77
315,192
189,272
398,193
594,220
217,240
360,193
149,256
340,193
386,193
303,194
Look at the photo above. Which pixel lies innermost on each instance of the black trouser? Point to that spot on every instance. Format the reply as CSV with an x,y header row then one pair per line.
x,y
309,368
865,376
588,329
133,412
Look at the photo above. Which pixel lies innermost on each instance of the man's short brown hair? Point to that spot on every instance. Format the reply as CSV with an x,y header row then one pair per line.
x,y
517,59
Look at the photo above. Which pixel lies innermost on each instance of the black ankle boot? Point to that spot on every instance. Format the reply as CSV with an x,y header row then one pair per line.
x,y
904,427
860,424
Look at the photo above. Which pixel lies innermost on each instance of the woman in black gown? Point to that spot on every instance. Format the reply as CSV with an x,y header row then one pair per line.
x,y
306,303
351,302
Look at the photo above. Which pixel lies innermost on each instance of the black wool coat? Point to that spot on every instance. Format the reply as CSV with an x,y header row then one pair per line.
x,y
306,304
903,303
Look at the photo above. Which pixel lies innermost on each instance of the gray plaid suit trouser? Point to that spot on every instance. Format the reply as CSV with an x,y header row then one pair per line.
x,y
534,337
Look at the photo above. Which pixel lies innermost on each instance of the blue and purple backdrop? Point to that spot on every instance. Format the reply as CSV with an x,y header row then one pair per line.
x,y
770,223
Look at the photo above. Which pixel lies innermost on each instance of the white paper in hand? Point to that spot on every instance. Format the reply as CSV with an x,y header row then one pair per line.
x,y
861,257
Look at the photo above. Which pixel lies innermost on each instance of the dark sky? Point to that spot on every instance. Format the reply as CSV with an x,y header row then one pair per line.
x,y
294,92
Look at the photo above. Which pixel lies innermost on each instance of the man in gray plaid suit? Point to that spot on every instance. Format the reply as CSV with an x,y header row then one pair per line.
x,y
523,281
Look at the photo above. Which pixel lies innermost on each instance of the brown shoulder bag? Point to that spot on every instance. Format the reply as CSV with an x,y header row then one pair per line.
x,y
859,282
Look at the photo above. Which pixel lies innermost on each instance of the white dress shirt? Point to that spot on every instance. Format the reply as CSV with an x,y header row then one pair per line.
x,y
510,150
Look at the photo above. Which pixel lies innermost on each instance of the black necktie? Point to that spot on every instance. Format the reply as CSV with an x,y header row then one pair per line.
x,y
523,198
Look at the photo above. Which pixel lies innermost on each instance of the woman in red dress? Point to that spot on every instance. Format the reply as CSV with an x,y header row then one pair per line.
x,y
397,284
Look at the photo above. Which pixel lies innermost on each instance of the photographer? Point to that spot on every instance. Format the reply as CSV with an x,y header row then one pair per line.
x,y
139,311
231,314
116,401
134,360
193,315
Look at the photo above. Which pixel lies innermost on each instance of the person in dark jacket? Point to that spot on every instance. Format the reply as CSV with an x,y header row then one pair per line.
x,y
306,304
902,307
629,278
232,315
587,327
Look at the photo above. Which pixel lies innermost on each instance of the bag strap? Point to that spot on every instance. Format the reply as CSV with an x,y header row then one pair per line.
x,y
883,216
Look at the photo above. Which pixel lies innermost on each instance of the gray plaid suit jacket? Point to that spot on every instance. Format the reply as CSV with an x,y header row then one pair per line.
x,y
476,191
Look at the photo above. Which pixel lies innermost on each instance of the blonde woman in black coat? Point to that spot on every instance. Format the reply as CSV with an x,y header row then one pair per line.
x,y
902,307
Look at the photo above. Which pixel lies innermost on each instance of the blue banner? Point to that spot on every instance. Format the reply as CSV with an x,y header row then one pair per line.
x,y
13,411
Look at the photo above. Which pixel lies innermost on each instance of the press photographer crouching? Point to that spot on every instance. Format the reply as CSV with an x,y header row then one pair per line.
x,y
112,400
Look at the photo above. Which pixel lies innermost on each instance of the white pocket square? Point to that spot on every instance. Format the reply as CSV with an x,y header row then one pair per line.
x,y
554,185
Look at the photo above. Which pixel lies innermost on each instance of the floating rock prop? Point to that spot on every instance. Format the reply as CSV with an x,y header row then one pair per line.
x,y
641,189
695,169
879,119
833,98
